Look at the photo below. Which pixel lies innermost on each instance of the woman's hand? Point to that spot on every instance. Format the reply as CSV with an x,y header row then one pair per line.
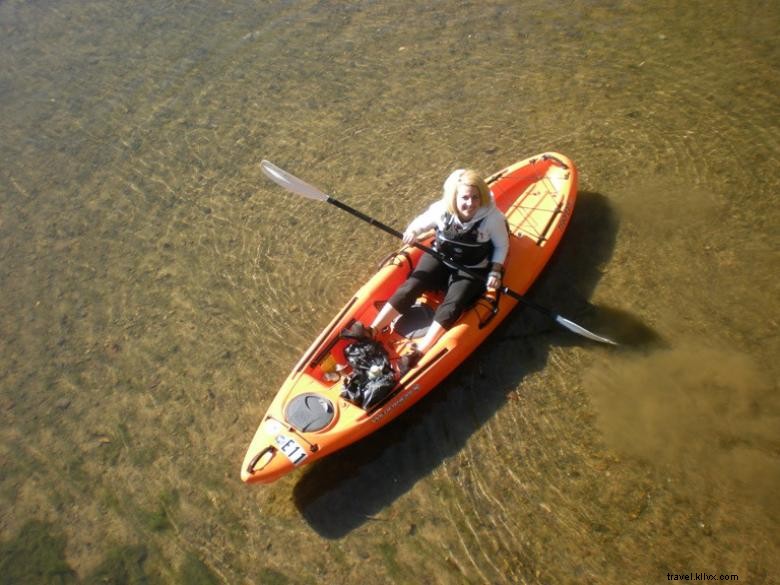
x,y
495,276
494,280
410,236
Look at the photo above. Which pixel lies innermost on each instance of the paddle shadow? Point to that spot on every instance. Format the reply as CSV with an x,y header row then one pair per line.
x,y
573,273
343,491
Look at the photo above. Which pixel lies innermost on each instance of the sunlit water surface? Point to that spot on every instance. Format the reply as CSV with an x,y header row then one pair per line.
x,y
155,289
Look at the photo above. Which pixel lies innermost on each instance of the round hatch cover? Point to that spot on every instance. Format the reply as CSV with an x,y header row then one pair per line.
x,y
309,412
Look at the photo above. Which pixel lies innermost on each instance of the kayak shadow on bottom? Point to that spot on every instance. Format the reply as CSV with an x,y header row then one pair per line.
x,y
356,485
349,488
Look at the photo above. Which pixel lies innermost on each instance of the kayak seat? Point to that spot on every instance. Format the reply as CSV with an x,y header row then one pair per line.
x,y
414,323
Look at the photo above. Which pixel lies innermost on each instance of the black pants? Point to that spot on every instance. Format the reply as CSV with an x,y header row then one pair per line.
x,y
431,274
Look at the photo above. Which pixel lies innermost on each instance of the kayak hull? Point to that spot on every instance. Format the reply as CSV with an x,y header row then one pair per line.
x,y
537,196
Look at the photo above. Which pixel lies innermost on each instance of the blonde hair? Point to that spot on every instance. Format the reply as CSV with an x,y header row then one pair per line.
x,y
464,177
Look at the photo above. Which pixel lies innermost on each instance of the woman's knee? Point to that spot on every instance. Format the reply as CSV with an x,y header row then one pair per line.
x,y
447,313
405,295
459,298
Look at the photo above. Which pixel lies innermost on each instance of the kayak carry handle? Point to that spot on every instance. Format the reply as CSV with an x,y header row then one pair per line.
x,y
554,158
390,259
250,469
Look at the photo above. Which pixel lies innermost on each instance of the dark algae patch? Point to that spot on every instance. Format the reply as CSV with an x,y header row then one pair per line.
x,y
35,556
159,518
194,572
124,566
273,577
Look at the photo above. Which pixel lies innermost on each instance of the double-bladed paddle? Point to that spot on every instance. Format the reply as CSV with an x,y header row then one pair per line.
x,y
299,187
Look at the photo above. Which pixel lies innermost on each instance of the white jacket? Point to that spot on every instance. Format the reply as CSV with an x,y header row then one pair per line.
x,y
493,228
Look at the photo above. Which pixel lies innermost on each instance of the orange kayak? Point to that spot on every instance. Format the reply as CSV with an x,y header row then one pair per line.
x,y
308,419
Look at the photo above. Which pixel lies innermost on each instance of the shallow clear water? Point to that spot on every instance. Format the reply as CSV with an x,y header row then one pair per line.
x,y
155,289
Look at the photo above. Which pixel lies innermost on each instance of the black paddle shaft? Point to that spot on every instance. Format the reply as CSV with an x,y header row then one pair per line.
x,y
366,218
294,184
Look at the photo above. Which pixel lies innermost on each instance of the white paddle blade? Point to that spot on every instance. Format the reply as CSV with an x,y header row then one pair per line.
x,y
291,183
572,326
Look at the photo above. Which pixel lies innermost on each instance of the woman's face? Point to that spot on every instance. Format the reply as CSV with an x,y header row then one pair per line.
x,y
467,201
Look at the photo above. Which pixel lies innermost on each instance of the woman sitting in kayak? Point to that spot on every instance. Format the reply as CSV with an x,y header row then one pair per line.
x,y
471,231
